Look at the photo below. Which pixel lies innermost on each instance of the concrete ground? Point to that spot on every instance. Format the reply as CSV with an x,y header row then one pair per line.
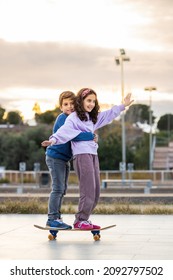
x,y
136,237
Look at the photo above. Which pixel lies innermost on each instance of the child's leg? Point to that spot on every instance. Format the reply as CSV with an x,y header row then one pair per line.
x,y
97,180
97,187
59,171
84,168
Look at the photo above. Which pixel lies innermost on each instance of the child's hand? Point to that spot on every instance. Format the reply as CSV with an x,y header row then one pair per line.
x,y
46,143
96,138
127,100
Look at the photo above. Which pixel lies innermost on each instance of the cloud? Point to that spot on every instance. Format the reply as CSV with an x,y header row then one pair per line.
x,y
159,15
150,69
62,65
45,64
143,28
56,64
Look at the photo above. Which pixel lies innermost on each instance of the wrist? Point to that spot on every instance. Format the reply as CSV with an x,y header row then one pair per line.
x,y
53,141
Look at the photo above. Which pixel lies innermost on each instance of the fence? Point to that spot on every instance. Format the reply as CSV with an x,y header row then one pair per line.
x,y
16,177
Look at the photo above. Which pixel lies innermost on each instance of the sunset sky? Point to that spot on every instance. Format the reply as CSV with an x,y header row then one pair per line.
x,y
48,46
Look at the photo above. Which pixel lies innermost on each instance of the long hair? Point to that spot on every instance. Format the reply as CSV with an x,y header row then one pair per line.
x,y
79,108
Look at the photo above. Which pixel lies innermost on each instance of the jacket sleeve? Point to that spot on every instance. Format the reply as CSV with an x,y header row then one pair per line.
x,y
107,116
84,136
65,133
60,120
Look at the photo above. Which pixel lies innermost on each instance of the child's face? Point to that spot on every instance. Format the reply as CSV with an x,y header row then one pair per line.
x,y
67,106
89,102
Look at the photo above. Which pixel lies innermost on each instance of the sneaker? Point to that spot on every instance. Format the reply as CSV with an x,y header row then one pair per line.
x,y
59,224
83,225
94,226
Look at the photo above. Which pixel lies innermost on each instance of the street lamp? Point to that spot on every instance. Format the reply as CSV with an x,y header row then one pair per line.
x,y
150,89
119,61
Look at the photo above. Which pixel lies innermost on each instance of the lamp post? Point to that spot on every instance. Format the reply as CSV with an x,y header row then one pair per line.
x,y
150,89
119,61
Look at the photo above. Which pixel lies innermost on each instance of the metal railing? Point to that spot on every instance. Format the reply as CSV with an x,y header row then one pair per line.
x,y
30,177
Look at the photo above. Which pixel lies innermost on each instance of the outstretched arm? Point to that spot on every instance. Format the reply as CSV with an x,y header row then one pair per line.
x,y
83,136
107,116
64,134
127,100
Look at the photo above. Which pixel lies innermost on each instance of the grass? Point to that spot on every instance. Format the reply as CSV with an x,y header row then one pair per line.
x,y
34,206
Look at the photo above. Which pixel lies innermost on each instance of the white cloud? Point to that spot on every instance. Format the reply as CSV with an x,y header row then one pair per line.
x,y
52,45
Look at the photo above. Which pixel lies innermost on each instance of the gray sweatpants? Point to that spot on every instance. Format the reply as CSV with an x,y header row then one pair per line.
x,y
86,167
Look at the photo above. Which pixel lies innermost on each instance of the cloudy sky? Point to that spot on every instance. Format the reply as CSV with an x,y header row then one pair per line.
x,y
47,46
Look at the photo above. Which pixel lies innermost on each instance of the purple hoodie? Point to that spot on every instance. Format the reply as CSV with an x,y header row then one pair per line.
x,y
73,126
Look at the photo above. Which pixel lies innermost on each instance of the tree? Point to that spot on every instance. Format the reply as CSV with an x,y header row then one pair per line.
x,y
165,122
14,117
47,117
109,152
141,152
138,113
110,146
2,112
23,145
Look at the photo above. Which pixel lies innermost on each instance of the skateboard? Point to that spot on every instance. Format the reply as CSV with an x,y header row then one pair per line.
x,y
54,230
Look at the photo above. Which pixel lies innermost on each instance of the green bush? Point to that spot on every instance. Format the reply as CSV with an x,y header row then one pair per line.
x,y
4,181
33,206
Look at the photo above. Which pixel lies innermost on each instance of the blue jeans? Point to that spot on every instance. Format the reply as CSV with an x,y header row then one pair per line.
x,y
59,172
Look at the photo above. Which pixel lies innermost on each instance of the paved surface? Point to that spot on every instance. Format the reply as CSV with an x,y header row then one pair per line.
x,y
136,237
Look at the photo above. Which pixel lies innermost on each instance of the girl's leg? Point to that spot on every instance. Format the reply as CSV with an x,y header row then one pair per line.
x,y
97,180
84,168
97,186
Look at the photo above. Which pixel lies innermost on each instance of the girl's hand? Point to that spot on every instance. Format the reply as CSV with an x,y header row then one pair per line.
x,y
127,100
46,143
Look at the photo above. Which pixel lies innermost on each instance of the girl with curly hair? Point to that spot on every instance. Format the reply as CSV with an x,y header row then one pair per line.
x,y
86,118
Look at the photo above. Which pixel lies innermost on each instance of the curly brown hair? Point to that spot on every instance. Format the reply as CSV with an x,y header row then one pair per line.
x,y
81,95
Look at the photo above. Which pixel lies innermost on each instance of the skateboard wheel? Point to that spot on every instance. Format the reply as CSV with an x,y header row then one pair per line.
x,y
96,237
51,237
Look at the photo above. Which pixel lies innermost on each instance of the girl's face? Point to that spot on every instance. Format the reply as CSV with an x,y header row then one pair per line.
x,y
89,102
67,106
